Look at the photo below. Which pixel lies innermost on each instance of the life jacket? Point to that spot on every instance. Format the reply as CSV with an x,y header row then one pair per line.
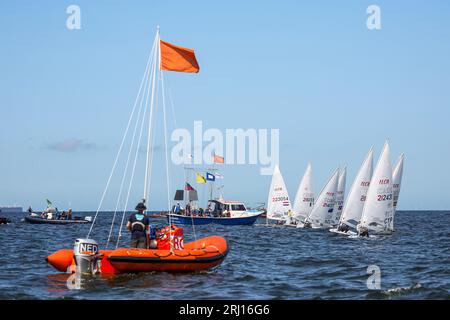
x,y
138,224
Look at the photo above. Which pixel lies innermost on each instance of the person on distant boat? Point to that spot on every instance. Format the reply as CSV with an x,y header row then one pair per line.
x,y
363,232
188,209
69,214
208,210
343,227
138,224
290,219
63,216
307,224
30,211
177,208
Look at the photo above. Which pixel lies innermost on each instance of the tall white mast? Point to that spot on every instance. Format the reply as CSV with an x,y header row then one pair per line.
x,y
148,163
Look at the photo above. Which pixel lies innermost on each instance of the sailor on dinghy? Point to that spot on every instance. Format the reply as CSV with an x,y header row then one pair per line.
x,y
304,198
378,212
353,206
321,214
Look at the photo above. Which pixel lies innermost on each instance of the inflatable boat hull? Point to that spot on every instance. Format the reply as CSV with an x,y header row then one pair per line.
x,y
39,220
199,255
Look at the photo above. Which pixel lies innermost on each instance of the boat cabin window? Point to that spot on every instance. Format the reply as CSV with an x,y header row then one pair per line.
x,y
238,207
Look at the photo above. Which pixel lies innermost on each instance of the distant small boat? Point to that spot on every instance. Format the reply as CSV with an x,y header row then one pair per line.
x,y
158,215
222,212
39,220
4,220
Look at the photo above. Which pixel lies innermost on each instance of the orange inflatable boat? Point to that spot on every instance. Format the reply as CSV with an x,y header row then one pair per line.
x,y
169,256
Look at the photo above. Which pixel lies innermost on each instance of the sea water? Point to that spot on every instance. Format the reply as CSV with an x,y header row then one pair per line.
x,y
263,263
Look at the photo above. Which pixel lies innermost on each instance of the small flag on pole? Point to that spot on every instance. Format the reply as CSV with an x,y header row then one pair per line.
x,y
200,178
176,58
210,177
218,175
188,187
219,159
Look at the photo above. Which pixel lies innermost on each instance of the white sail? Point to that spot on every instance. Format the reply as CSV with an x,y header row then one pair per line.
x,y
397,179
353,207
378,212
340,194
278,203
304,199
320,216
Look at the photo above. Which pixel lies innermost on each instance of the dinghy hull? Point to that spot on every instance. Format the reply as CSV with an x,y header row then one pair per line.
x,y
348,233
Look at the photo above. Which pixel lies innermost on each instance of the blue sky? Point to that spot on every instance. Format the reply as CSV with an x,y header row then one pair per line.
x,y
311,69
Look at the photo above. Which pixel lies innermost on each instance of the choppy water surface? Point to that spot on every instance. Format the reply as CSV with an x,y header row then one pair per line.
x,y
263,263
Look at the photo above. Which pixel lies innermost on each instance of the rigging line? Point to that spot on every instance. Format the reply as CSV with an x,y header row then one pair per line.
x,y
121,144
172,106
156,102
149,180
150,125
131,149
127,163
165,140
135,161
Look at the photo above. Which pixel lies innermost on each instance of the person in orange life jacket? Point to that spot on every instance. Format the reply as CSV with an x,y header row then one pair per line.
x,y
138,223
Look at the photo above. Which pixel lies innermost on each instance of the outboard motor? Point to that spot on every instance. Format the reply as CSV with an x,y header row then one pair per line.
x,y
87,256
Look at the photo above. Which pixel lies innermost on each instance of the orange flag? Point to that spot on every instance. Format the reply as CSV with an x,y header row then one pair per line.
x,y
218,159
175,58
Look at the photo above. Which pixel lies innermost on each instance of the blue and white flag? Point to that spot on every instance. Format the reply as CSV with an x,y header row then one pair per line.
x,y
218,175
210,177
